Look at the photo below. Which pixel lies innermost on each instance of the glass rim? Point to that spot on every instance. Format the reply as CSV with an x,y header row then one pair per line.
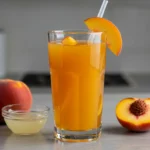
x,y
75,31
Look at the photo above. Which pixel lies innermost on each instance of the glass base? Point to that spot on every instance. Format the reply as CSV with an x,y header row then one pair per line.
x,y
77,136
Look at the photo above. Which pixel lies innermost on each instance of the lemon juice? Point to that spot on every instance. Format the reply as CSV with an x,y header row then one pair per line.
x,y
26,124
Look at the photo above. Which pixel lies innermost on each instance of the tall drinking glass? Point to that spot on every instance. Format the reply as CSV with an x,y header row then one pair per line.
x,y
77,81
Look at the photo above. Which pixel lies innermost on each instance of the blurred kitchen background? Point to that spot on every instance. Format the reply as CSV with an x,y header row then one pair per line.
x,y
23,39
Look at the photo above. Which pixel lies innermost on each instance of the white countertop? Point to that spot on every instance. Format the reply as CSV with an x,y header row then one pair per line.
x,y
114,137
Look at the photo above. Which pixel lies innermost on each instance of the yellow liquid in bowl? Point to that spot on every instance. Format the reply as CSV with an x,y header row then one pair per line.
x,y
26,124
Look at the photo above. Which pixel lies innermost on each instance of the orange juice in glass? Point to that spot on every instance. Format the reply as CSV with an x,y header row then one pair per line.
x,y
77,69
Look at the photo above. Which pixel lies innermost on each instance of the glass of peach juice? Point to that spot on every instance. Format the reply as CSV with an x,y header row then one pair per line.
x,y
77,68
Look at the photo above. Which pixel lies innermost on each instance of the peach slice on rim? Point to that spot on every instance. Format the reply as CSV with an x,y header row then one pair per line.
x,y
114,39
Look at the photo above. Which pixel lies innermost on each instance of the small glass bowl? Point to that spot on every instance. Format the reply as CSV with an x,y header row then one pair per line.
x,y
23,121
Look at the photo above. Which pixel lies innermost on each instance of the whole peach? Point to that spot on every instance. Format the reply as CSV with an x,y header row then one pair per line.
x,y
14,92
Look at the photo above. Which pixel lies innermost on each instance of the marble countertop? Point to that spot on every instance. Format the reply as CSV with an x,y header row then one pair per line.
x,y
113,137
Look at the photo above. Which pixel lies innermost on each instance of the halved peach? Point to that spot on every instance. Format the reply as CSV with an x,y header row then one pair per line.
x,y
134,114
114,39
69,41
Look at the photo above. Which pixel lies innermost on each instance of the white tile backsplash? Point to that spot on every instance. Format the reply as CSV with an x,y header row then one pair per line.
x,y
26,23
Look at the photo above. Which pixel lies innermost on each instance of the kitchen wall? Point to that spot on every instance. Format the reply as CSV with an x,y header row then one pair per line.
x,y
26,23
